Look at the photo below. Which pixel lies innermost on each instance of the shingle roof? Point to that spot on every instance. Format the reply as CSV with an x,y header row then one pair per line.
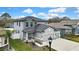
x,y
63,27
28,18
29,29
41,27
59,26
37,28
62,23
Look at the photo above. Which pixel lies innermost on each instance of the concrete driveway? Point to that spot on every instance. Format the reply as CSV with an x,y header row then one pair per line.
x,y
65,45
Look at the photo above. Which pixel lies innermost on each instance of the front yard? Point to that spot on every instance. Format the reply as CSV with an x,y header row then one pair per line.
x,y
19,45
1,49
36,48
72,38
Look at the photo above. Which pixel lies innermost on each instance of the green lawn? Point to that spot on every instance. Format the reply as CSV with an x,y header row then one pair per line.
x,y
1,49
19,45
73,38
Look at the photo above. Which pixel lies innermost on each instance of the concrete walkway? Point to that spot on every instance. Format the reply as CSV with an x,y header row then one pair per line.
x,y
62,45
65,45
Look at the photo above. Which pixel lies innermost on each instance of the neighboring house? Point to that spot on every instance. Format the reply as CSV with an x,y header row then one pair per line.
x,y
66,27
3,39
77,29
28,28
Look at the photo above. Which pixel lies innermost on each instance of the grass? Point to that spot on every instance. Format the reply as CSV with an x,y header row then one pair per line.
x,y
1,49
72,38
19,45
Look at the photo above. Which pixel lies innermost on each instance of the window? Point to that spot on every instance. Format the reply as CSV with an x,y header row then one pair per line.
x,y
17,31
19,23
31,24
57,35
26,24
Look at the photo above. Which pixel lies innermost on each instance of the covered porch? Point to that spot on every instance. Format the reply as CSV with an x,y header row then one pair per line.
x,y
28,34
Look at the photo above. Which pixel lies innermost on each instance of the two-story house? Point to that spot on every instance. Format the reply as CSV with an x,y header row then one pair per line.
x,y
28,28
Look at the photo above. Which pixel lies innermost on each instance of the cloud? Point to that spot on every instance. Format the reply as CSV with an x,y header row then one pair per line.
x,y
2,13
42,14
47,16
16,17
28,11
63,15
34,15
52,15
77,10
57,10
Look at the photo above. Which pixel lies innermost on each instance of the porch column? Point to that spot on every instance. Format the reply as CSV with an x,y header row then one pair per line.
x,y
26,36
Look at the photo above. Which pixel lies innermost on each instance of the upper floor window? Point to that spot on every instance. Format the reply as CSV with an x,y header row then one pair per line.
x,y
26,24
19,23
31,24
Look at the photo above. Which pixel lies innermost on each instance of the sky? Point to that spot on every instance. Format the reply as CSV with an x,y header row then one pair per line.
x,y
41,12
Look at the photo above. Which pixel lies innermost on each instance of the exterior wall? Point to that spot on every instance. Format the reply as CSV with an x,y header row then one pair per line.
x,y
29,23
18,34
64,32
15,36
18,30
2,41
46,34
39,35
77,30
68,31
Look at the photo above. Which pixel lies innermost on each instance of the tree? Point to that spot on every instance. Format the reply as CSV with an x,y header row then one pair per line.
x,y
54,19
6,15
8,34
65,18
5,20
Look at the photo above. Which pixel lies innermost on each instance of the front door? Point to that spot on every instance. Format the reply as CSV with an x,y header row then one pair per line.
x,y
30,36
